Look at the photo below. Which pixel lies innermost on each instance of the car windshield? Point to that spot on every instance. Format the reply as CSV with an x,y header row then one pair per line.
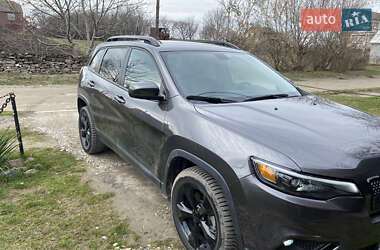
x,y
225,76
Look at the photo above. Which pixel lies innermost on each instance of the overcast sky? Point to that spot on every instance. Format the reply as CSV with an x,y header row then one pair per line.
x,y
181,9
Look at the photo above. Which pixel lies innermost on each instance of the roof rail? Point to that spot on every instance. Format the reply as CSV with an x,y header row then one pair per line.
x,y
220,43
147,39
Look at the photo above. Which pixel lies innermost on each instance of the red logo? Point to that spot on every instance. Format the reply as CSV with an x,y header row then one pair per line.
x,y
321,19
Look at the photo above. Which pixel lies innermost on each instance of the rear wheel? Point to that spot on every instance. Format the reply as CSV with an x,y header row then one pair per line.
x,y
87,133
201,213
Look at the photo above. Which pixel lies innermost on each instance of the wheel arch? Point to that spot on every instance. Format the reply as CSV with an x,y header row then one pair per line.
x,y
190,159
81,102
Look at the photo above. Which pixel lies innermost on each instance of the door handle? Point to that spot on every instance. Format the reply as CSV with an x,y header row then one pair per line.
x,y
120,99
91,84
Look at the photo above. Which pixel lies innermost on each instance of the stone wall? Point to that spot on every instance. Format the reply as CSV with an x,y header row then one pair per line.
x,y
27,63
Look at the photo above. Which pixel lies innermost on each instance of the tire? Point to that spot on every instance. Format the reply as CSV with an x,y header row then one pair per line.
x,y
201,212
87,133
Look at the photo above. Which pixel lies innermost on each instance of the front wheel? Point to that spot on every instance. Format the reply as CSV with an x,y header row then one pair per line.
x,y
201,213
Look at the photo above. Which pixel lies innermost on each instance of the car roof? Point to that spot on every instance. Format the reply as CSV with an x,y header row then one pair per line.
x,y
171,45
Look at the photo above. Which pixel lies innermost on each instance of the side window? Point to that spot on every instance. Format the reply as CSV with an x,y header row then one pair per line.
x,y
112,65
97,60
141,68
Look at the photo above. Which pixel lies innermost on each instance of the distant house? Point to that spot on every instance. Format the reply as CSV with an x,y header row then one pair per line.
x,y
361,39
11,16
374,56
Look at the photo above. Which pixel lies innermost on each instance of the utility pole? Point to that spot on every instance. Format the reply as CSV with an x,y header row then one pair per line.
x,y
158,19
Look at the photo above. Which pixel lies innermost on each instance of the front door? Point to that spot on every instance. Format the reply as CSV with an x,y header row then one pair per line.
x,y
142,131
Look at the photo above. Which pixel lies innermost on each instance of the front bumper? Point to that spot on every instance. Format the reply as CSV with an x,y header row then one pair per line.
x,y
269,217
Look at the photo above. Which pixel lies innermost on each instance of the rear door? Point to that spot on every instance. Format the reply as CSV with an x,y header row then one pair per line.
x,y
91,78
107,117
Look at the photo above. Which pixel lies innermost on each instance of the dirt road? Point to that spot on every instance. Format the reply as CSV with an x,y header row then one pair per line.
x,y
314,85
52,110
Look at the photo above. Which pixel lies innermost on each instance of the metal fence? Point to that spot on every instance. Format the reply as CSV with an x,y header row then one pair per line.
x,y
11,98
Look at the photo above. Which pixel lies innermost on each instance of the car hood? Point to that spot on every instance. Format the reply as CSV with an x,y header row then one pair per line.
x,y
317,134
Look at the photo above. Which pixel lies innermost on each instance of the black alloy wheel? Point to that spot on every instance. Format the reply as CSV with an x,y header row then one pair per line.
x,y
201,213
87,133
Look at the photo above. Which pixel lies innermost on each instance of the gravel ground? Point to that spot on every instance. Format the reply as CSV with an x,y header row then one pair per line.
x,y
52,110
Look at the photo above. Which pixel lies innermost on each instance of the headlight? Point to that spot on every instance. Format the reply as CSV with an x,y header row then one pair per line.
x,y
301,185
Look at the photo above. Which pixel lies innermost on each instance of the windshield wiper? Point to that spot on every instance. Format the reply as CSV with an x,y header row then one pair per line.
x,y
209,99
266,97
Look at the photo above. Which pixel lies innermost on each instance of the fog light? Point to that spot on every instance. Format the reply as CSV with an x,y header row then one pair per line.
x,y
288,243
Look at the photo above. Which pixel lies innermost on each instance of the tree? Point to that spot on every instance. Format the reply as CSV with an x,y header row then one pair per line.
x,y
185,30
95,11
59,9
214,25
233,21
272,30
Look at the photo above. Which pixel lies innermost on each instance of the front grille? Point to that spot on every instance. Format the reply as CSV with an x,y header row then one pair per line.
x,y
375,186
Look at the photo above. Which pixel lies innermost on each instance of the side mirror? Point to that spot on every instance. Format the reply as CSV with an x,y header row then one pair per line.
x,y
146,90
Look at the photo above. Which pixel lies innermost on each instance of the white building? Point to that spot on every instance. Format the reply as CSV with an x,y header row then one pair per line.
x,y
374,56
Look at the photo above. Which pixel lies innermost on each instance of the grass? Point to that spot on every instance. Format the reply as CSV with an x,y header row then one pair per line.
x,y
367,104
37,79
54,209
7,113
27,134
369,71
10,113
80,45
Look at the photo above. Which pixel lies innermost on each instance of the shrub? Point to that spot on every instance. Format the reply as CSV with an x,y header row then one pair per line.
x,y
7,145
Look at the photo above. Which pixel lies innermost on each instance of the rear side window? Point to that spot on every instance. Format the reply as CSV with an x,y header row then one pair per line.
x,y
97,60
112,65
141,68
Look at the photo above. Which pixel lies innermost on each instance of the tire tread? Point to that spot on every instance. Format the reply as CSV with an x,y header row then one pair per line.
x,y
217,194
96,145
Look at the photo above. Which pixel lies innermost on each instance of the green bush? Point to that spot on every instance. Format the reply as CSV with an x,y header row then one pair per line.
x,y
7,145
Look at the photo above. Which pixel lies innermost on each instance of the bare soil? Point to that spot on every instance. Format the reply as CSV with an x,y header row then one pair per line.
x,y
314,85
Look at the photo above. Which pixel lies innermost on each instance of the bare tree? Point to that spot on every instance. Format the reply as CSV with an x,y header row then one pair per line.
x,y
59,9
240,15
290,44
185,30
272,30
233,21
214,25
94,12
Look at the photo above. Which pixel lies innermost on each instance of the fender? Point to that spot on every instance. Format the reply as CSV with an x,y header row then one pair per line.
x,y
85,100
214,173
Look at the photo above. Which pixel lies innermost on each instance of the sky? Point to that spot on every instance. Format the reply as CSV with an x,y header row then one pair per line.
x,y
182,9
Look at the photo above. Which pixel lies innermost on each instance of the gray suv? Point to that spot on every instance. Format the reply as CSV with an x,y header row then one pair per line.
x,y
248,160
